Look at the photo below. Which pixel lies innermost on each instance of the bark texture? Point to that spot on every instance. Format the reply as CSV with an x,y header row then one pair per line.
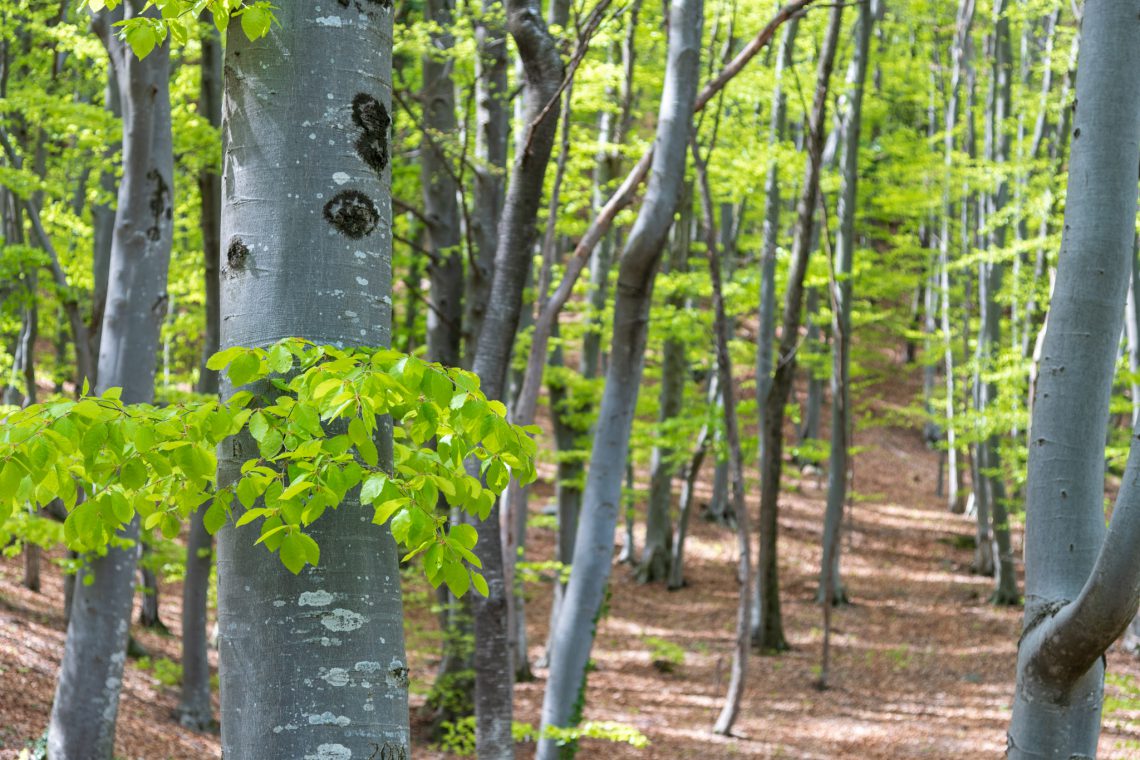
x,y
602,500
194,707
312,665
494,671
768,634
87,695
1082,581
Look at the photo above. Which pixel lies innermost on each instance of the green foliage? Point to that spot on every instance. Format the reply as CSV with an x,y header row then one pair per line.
x,y
314,417
164,670
179,20
459,736
665,655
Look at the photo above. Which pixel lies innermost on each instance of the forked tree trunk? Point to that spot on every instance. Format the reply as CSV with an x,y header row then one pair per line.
x,y
1082,581
87,696
593,551
303,656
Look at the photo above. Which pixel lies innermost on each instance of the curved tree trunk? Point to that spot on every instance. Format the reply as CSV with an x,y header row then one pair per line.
x,y
766,327
494,671
1082,581
601,504
311,258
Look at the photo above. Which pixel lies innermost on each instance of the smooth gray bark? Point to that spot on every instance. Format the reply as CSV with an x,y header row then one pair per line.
x,y
989,286
841,293
494,671
739,669
688,486
593,552
768,634
492,126
311,665
194,707
440,189
766,326
87,695
1082,581
655,556
958,50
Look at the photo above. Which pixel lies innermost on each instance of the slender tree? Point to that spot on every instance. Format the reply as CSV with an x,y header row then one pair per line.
x,y
768,634
87,695
593,549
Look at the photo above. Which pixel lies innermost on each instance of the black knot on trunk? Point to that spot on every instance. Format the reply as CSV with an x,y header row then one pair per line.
x,y
352,214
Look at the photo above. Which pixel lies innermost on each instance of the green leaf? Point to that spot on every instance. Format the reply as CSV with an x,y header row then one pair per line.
x,y
280,360
244,368
372,488
258,426
255,21
214,517
294,552
219,360
464,534
456,577
140,36
249,516
480,584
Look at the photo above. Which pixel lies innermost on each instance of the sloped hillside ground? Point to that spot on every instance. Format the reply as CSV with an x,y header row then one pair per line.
x,y
923,665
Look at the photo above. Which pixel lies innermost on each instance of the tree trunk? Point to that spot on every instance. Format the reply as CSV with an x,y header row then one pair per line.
x,y
989,286
312,258
593,552
494,671
1082,581
766,327
768,635
440,189
492,128
655,556
87,696
739,670
194,708
831,585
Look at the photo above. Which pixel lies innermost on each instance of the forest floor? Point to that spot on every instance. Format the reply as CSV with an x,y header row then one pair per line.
x,y
922,664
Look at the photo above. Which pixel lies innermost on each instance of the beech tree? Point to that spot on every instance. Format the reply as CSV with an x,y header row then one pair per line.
x,y
1082,580
87,696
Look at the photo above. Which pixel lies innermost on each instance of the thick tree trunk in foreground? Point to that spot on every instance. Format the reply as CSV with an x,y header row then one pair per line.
x,y
593,551
87,696
1083,581
194,708
768,635
312,665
